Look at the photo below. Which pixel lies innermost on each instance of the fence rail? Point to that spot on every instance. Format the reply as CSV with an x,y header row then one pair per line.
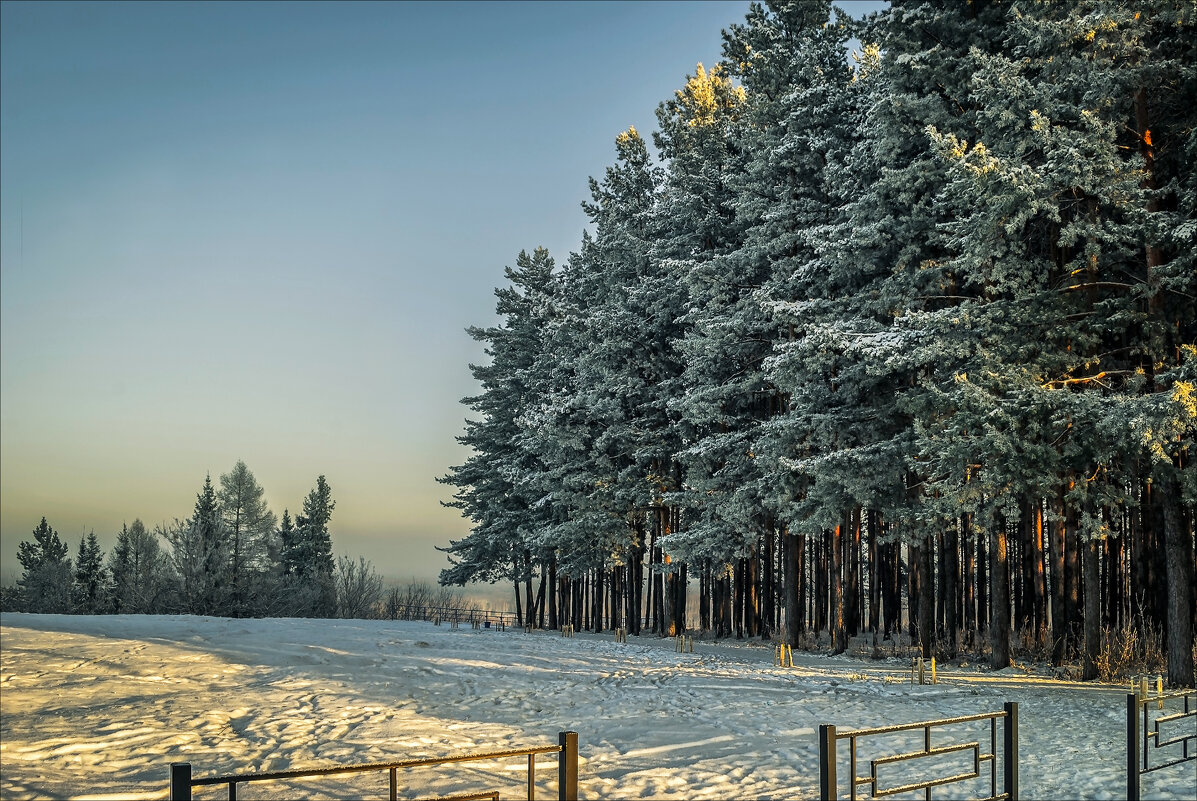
x,y
182,781
1141,736
828,737
453,614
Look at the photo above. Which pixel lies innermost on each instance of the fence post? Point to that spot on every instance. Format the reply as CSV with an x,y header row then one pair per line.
x,y
1132,747
180,781
827,783
1010,746
567,766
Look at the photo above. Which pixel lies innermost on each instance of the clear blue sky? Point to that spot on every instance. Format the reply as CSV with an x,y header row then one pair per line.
x,y
257,231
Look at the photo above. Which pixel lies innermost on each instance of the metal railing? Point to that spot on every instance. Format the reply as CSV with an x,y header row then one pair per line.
x,y
828,737
1141,735
455,614
181,780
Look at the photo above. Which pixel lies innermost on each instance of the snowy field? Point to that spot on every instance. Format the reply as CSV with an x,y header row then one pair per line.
x,y
98,707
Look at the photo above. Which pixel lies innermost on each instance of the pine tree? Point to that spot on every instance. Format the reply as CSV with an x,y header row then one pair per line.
x,y
89,593
137,571
250,523
936,308
1070,251
317,512
200,552
812,436
497,485
695,225
604,428
906,330
307,557
288,547
45,582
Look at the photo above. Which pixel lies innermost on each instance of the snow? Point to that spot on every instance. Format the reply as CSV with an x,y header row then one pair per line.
x,y
98,707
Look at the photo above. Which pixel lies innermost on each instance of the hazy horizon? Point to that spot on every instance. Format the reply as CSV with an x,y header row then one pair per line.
x,y
257,232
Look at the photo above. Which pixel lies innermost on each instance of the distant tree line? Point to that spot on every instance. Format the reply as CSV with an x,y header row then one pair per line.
x,y
904,343
231,558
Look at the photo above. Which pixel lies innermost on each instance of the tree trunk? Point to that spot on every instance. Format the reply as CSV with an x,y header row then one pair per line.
x,y
600,595
838,632
723,602
540,597
519,610
681,586
1072,576
938,570
1179,559
822,573
529,603
999,594
1021,584
970,578
1059,616
752,615
873,560
950,578
648,587
637,596
983,556
767,589
892,602
739,604
554,622
1092,611
852,572
927,600
704,595
789,550
914,575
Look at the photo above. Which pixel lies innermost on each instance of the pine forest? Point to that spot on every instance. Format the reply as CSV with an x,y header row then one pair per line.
x,y
896,340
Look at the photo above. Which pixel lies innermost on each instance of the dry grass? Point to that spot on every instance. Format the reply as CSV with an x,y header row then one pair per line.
x,y
1129,651
1026,646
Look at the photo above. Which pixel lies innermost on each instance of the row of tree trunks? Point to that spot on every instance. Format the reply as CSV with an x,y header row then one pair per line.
x,y
1034,579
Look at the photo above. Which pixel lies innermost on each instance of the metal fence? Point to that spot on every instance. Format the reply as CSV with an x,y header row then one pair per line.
x,y
1143,734
480,618
182,781
828,737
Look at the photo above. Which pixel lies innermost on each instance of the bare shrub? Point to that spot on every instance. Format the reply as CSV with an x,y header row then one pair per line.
x,y
1128,651
420,600
359,588
1030,647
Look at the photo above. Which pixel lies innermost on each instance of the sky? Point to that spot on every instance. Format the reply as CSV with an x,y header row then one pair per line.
x,y
258,231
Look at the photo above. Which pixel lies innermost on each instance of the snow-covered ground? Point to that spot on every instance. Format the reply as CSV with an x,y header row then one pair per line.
x,y
98,707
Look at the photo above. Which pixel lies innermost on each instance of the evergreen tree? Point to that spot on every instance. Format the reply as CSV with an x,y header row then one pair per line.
x,y
1072,252
306,556
495,490
941,302
89,593
805,444
288,545
200,552
695,225
610,361
45,582
254,552
312,530
910,335
138,572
